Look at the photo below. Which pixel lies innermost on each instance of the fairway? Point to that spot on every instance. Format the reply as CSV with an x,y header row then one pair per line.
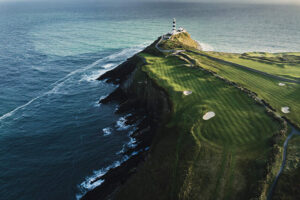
x,y
238,119
286,65
218,148
267,88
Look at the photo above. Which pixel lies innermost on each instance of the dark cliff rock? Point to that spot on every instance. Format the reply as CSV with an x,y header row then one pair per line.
x,y
139,94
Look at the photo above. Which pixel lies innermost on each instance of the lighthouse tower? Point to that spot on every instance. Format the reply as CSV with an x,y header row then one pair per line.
x,y
174,26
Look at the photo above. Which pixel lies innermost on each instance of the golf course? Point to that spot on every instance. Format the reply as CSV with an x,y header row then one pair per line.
x,y
230,116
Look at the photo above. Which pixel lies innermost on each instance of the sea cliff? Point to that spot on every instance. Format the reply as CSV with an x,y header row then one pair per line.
x,y
149,107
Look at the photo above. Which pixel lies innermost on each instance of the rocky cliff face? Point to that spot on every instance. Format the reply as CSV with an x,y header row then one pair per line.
x,y
140,95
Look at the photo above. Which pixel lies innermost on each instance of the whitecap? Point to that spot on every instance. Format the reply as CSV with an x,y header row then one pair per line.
x,y
97,104
132,143
122,150
107,66
107,131
205,46
95,180
121,124
92,76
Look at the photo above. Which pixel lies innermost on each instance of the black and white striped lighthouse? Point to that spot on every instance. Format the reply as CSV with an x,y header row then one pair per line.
x,y
174,26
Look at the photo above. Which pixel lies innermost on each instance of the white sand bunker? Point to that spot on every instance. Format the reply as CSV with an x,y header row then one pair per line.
x,y
186,93
209,115
281,84
285,110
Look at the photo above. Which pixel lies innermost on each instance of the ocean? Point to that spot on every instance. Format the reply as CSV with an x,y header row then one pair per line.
x,y
54,135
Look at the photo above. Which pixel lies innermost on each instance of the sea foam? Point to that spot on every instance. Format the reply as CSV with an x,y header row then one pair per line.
x,y
205,46
119,56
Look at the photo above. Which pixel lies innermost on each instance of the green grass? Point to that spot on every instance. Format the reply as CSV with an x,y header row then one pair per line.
x,y
288,184
267,88
286,65
228,156
223,158
180,41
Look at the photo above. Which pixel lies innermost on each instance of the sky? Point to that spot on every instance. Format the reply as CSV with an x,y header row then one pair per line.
x,y
238,1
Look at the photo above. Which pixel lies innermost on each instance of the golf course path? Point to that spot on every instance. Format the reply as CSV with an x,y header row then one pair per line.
x,y
285,146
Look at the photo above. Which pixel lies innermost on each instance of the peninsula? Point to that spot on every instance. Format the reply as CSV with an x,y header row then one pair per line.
x,y
210,125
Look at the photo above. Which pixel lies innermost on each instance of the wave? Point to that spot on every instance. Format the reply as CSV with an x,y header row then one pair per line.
x,y
205,46
92,77
107,131
9,114
108,66
97,103
95,180
123,54
121,123
130,145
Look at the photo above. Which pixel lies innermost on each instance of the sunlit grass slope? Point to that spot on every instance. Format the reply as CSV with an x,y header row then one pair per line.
x,y
286,65
266,87
180,41
222,158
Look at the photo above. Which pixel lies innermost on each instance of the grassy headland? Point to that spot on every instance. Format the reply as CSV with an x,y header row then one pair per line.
x,y
234,155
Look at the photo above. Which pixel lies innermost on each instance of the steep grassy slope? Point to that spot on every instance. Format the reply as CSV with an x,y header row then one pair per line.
x,y
223,158
180,41
266,87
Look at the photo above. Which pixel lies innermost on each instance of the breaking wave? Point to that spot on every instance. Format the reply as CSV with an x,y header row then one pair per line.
x,y
205,46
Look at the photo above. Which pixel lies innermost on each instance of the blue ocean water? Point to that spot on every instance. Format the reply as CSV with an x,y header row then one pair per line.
x,y
54,136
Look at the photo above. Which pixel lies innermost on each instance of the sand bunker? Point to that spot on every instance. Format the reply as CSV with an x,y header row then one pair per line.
x,y
285,110
281,84
187,92
209,115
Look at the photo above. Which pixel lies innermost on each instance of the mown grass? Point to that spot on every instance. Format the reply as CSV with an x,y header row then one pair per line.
x,y
267,88
223,158
286,65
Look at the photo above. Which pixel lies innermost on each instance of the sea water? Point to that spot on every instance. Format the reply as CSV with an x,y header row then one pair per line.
x,y
54,135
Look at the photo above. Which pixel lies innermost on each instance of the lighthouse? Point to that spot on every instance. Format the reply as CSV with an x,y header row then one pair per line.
x,y
174,26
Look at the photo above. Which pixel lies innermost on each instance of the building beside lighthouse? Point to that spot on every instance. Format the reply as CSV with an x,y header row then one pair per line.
x,y
174,31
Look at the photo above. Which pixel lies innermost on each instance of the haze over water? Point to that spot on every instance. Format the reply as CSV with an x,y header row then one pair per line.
x,y
51,127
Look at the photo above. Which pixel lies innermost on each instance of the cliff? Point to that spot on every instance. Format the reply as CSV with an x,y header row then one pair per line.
x,y
139,95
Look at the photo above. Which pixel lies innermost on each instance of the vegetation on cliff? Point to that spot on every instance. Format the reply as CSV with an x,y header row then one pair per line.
x,y
234,155
180,41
